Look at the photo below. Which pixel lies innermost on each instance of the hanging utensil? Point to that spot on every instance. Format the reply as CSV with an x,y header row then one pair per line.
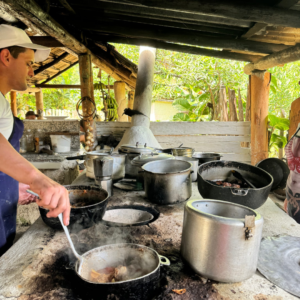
x,y
238,175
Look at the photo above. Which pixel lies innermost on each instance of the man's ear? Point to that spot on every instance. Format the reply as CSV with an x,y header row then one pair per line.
x,y
5,57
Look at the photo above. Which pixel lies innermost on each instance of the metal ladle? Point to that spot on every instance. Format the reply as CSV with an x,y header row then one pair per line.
x,y
60,217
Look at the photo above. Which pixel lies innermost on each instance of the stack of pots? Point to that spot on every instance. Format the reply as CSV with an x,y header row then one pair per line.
x,y
131,152
142,159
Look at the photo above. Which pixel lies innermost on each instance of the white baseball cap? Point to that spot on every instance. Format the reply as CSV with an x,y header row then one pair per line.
x,y
13,36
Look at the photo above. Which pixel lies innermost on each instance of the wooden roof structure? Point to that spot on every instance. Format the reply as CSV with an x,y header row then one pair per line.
x,y
264,33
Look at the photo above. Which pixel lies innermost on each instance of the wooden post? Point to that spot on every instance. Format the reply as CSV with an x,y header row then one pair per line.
x,y
13,103
259,95
294,117
120,95
87,90
223,104
232,105
248,112
130,102
86,81
39,104
241,113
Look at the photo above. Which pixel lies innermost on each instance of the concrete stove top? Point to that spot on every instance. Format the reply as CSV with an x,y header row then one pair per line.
x,y
39,265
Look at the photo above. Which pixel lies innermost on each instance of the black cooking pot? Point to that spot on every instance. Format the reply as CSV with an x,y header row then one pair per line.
x,y
206,157
146,260
91,208
221,170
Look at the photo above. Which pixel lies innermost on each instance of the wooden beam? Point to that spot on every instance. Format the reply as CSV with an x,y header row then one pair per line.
x,y
86,79
39,104
259,94
51,64
204,28
181,36
67,6
29,90
47,41
13,103
130,8
280,58
120,96
60,72
130,102
257,27
29,9
260,26
181,48
58,86
233,10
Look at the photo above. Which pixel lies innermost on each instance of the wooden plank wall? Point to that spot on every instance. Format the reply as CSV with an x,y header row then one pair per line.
x,y
220,137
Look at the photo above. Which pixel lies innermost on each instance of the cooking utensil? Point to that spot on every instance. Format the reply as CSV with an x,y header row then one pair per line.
x,y
220,240
168,181
194,163
278,169
182,151
91,205
221,170
65,228
238,175
148,263
82,157
141,160
206,157
278,261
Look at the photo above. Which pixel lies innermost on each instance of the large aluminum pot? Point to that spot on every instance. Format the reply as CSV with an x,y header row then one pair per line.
x,y
141,262
119,166
215,241
168,181
194,162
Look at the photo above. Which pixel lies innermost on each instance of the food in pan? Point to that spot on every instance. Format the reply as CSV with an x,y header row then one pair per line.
x,y
109,274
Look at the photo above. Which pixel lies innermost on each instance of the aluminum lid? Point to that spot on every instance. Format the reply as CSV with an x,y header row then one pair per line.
x,y
137,148
145,158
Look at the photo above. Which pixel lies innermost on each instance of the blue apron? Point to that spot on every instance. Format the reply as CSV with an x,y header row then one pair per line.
x,y
9,195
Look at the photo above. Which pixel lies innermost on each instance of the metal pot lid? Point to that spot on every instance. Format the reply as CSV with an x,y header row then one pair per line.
x,y
278,169
137,148
145,158
278,261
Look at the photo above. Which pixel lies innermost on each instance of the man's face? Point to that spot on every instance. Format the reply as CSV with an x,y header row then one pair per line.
x,y
18,70
32,117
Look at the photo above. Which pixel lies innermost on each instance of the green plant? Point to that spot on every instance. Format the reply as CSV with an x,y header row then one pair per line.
x,y
278,127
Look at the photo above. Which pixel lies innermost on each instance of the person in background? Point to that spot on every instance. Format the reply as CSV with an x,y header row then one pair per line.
x,y
30,115
17,55
292,202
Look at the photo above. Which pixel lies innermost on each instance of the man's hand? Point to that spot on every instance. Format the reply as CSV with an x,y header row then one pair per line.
x,y
54,197
24,197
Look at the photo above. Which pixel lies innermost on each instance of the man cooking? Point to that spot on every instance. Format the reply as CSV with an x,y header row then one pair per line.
x,y
30,115
17,55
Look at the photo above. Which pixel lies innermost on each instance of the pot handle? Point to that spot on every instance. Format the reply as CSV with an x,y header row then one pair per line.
x,y
239,192
163,260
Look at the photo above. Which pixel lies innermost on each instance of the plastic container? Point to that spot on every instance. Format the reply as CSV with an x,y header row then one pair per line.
x,y
61,143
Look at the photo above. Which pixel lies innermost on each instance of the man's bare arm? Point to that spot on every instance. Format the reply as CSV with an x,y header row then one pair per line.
x,y
53,196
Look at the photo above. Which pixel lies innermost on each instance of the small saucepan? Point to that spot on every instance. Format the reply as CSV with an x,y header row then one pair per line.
x,y
88,206
206,157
